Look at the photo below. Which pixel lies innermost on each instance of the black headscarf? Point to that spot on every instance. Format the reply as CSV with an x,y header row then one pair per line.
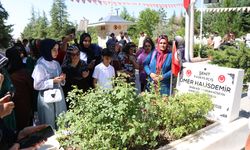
x,y
82,37
92,52
45,48
15,61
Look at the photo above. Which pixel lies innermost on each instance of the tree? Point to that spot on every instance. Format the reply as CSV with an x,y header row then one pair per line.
x,y
93,32
245,16
59,22
5,30
29,30
126,16
175,26
163,15
132,30
225,22
42,26
147,21
161,27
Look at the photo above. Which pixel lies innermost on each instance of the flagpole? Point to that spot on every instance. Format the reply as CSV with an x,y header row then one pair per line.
x,y
171,84
191,29
187,31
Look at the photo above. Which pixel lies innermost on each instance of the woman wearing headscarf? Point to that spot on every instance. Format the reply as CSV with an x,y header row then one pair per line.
x,y
48,75
76,71
23,87
90,53
158,66
22,51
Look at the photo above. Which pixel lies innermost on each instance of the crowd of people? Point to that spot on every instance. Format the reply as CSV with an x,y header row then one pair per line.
x,y
38,74
217,42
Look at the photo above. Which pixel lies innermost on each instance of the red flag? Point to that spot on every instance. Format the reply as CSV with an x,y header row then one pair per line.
x,y
176,67
186,4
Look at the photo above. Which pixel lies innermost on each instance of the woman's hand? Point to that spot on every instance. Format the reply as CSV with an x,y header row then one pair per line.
x,y
59,79
63,76
6,108
159,78
154,76
133,60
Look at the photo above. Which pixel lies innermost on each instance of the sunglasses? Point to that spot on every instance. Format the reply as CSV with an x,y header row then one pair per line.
x,y
147,45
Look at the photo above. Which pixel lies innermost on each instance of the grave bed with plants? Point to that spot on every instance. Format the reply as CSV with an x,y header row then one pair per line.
x,y
121,119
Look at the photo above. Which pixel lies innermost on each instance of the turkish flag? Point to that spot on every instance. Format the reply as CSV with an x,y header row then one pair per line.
x,y
186,4
176,66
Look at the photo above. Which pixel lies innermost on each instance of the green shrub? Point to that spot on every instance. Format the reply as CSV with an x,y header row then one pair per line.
x,y
202,52
121,119
185,113
234,58
196,50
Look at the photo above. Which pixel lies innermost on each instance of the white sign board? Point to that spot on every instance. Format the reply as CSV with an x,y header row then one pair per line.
x,y
224,85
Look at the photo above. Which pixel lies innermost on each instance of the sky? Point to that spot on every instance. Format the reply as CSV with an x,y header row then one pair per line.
x,y
20,10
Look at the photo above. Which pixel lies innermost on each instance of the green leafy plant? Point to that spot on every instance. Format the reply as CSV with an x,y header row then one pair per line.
x,y
234,58
185,113
203,52
121,119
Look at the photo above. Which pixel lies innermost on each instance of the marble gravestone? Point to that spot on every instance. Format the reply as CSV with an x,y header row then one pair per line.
x,y
224,85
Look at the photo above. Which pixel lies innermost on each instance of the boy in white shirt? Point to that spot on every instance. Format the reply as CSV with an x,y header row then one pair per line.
x,y
104,72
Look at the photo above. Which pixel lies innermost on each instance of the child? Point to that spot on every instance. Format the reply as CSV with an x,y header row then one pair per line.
x,y
104,72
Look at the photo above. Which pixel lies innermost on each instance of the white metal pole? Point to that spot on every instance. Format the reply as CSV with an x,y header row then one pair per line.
x,y
201,23
191,37
171,84
187,23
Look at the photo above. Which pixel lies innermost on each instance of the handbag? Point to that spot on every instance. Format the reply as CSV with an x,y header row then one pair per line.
x,y
52,95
